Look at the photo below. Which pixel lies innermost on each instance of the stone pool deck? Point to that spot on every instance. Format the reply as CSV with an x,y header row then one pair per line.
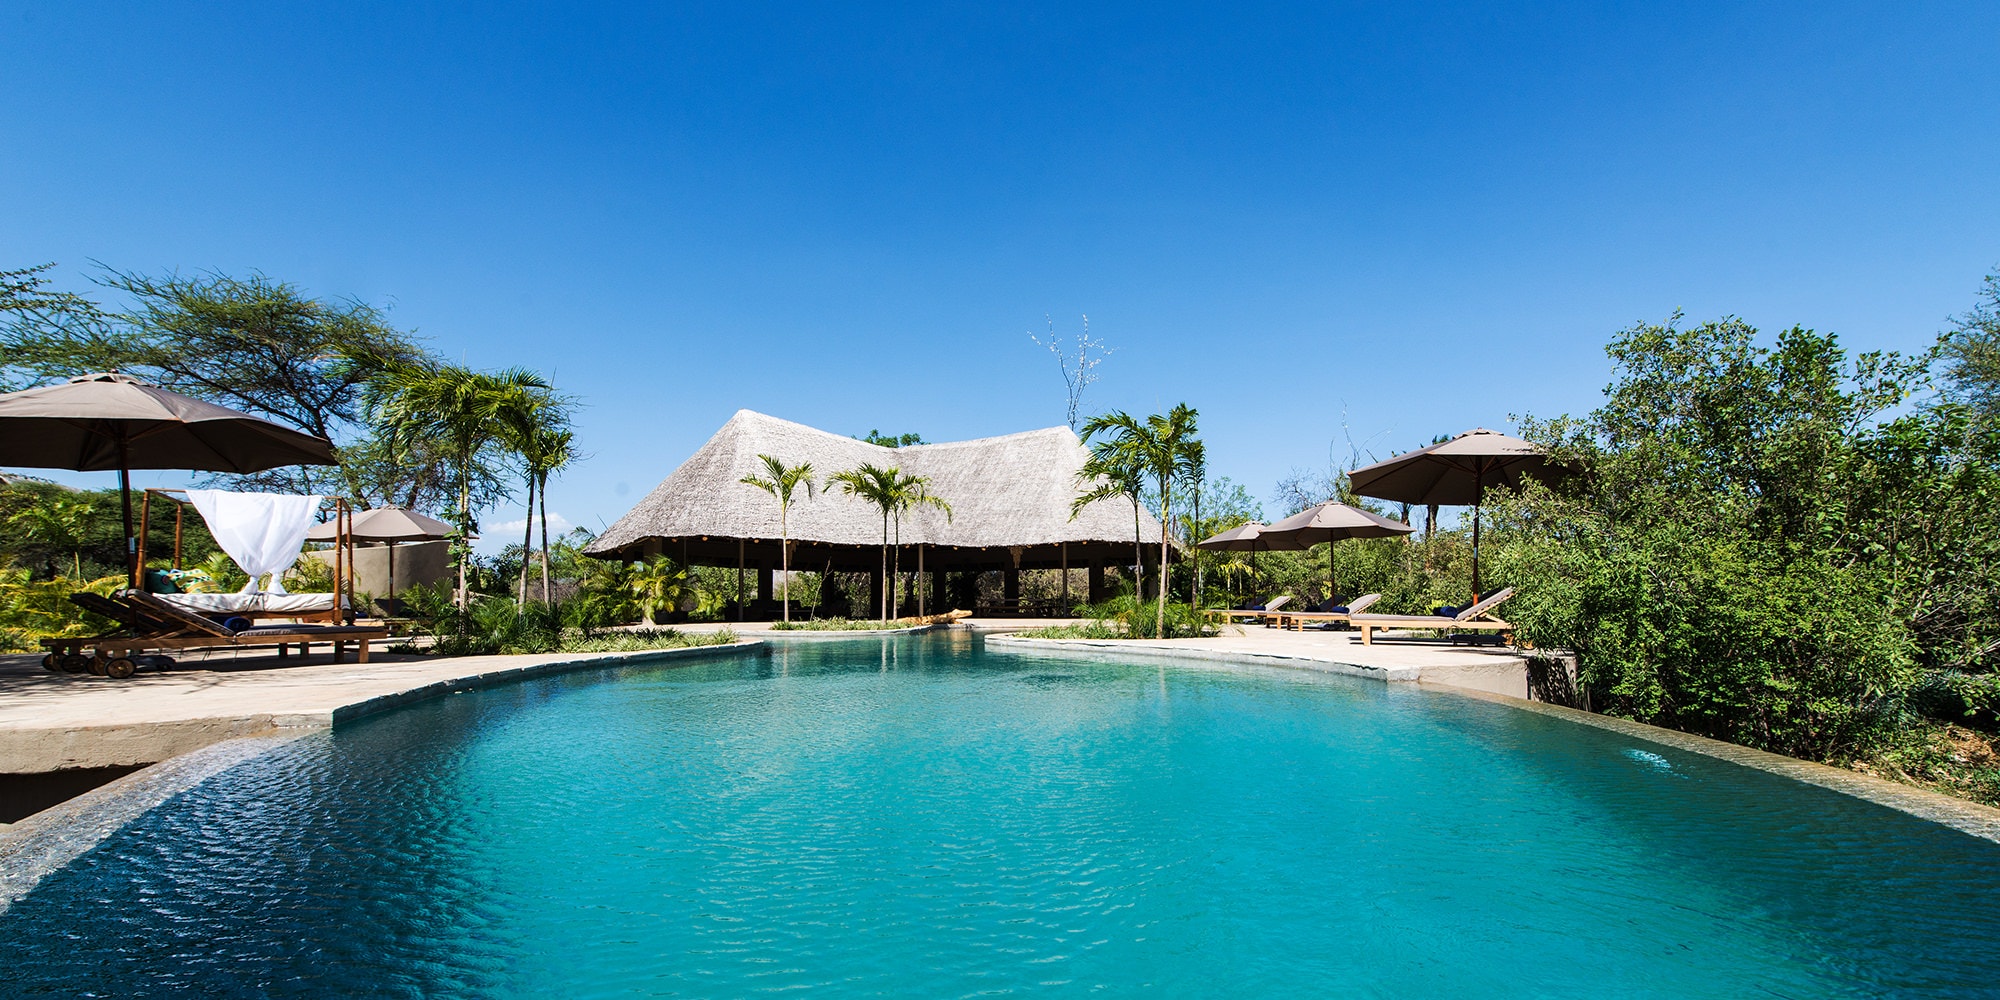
x,y
56,722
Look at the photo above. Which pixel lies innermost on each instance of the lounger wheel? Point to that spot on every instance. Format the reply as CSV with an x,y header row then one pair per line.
x,y
75,663
52,662
120,668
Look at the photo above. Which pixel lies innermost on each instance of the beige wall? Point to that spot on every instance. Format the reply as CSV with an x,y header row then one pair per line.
x,y
417,563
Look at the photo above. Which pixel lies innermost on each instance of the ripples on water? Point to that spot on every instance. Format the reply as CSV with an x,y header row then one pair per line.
x,y
913,817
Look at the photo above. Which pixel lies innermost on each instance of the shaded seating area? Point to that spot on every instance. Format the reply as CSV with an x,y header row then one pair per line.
x,y
151,626
1010,499
1477,618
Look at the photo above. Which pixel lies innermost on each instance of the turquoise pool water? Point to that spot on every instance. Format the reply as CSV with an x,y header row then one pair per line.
x,y
921,818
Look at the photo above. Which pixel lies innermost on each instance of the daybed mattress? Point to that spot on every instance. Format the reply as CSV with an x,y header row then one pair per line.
x,y
269,604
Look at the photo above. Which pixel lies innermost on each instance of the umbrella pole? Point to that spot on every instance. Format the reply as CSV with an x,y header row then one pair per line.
x,y
125,504
391,546
1478,494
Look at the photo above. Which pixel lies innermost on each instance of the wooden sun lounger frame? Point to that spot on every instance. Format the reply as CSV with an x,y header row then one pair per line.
x,y
172,627
1253,614
1477,618
1295,620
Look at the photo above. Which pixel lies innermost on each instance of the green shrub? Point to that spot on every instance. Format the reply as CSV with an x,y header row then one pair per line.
x,y
838,625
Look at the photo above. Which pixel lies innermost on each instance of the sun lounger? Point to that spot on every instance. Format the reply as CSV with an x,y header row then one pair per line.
x,y
155,624
1477,618
1251,614
1295,620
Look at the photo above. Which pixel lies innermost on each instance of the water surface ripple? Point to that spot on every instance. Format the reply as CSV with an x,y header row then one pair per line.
x,y
915,817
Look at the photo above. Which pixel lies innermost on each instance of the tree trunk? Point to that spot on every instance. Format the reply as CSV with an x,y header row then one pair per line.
x,y
896,598
543,493
464,534
885,564
527,546
785,556
1166,508
1197,552
1138,551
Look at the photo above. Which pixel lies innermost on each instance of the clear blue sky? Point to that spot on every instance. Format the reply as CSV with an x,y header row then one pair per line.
x,y
1426,219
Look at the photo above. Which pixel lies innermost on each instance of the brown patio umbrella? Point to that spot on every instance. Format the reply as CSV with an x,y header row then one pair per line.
x,y
1457,473
97,423
1245,537
387,525
1329,522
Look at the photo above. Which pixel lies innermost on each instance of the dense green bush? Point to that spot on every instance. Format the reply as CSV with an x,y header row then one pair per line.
x,y
1759,545
1126,617
490,625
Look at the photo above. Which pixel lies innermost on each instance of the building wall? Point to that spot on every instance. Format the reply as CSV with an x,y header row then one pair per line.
x,y
417,564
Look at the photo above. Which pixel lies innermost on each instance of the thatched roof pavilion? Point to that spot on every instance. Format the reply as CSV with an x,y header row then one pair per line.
x,y
1010,498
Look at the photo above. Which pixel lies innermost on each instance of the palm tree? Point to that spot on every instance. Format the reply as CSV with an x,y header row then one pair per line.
x,y
876,485
910,492
1115,475
892,492
527,421
781,481
455,409
1194,470
1162,447
555,450
659,583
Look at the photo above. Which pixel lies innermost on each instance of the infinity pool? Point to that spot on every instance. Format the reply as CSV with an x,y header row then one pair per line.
x,y
918,817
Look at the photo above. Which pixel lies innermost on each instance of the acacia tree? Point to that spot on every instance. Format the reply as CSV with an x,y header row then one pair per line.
x,y
257,344
782,481
1162,448
1079,370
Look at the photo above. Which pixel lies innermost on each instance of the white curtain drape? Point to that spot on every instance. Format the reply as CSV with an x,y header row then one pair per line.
x,y
263,532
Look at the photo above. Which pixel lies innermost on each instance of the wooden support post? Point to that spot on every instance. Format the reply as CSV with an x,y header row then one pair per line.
x,y
1065,577
739,579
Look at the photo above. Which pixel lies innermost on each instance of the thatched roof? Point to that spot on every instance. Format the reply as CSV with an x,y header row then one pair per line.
x,y
1005,492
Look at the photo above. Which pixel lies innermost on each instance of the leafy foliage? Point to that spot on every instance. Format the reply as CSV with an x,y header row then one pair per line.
x,y
839,625
1736,560
1129,617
